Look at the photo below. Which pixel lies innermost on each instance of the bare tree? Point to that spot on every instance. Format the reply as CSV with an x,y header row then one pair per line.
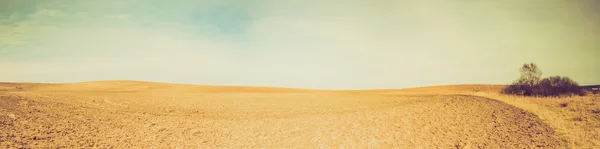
x,y
530,77
530,74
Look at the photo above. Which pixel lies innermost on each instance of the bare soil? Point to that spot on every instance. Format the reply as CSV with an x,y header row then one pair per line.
x,y
184,116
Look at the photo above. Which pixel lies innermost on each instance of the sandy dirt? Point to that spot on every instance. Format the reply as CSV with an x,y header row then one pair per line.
x,y
154,115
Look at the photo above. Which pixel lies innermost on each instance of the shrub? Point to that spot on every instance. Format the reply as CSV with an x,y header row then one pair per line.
x,y
514,89
558,86
530,84
525,84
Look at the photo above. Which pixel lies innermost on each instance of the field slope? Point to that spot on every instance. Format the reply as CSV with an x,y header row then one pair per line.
x,y
130,114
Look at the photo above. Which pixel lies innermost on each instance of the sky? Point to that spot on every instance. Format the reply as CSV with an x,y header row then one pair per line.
x,y
319,44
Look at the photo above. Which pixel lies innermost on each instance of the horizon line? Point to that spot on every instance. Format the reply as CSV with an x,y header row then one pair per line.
x,y
257,86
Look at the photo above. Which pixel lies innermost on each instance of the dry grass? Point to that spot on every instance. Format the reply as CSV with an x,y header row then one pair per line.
x,y
576,118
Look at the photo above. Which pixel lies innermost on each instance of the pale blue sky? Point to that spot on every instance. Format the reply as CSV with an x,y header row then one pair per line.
x,y
325,44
